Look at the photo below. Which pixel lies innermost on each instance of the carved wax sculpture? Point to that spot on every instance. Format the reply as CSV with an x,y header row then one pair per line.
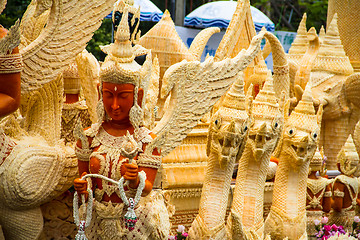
x,y
227,131
166,44
246,217
73,109
287,217
11,65
333,84
88,69
100,149
39,167
346,187
238,35
266,122
318,193
348,27
150,87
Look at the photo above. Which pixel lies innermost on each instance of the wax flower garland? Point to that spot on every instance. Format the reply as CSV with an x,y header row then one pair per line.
x,y
180,234
328,231
356,227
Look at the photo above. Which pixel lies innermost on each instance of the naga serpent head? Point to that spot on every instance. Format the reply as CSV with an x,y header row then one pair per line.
x,y
266,121
301,131
229,125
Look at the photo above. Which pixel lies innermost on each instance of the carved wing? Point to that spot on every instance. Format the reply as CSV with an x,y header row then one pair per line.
x,y
37,173
11,40
152,95
70,26
195,87
41,111
89,73
32,23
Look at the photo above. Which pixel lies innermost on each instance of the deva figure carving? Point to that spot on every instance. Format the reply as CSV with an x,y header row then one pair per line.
x,y
227,132
39,167
118,147
346,186
318,193
300,135
108,147
246,217
73,108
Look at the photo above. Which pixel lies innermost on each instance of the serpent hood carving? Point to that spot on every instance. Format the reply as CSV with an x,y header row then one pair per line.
x,y
297,146
246,217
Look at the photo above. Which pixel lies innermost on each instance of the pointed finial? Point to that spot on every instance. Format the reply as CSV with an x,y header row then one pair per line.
x,y
166,16
235,97
332,57
299,46
122,48
306,105
332,43
322,33
267,93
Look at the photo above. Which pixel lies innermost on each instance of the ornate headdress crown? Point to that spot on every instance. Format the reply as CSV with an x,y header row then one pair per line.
x,y
119,67
318,160
304,112
265,103
120,6
235,97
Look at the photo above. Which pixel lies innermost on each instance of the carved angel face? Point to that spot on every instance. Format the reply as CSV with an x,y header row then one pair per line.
x,y
118,100
227,133
300,142
264,133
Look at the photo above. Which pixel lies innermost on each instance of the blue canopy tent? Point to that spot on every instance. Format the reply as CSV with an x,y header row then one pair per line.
x,y
148,11
219,14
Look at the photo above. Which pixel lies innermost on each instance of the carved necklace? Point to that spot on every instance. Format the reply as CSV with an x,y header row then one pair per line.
x,y
129,150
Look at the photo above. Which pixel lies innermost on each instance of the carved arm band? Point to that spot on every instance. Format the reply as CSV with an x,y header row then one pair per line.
x,y
338,193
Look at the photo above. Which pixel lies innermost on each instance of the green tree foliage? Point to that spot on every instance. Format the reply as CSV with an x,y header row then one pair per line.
x,y
316,12
13,11
287,14
101,37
